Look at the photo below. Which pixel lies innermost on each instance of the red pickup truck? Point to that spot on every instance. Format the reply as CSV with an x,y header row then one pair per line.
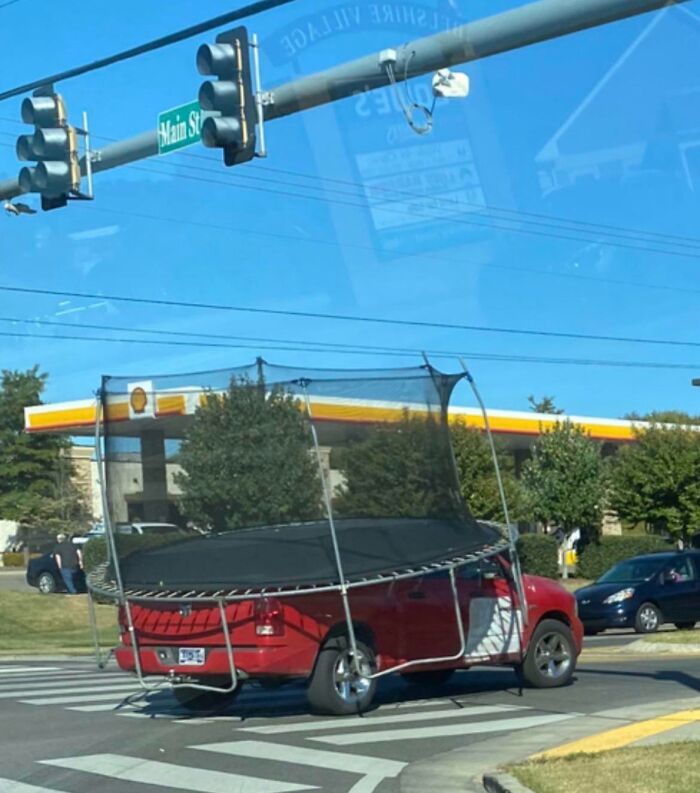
x,y
305,636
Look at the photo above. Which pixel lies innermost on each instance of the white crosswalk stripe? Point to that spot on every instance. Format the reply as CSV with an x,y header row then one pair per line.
x,y
67,688
30,685
433,731
15,670
9,786
176,777
47,696
262,757
374,721
316,758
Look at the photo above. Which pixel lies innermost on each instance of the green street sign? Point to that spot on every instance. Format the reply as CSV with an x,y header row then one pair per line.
x,y
179,127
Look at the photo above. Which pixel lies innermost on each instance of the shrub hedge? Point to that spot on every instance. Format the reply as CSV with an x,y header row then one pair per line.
x,y
602,554
12,559
538,555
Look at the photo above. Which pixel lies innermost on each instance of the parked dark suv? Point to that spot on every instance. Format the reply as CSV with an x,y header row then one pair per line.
x,y
43,573
643,593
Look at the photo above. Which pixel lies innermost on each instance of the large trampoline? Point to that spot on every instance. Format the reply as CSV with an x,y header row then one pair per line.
x,y
267,479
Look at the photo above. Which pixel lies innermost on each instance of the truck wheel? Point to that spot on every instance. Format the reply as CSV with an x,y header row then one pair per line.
x,y
551,657
194,699
46,584
335,687
433,677
648,618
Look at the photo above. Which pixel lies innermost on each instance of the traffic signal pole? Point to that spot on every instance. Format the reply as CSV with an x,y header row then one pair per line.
x,y
536,22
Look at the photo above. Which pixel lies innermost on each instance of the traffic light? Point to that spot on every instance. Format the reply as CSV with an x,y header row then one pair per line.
x,y
53,146
230,100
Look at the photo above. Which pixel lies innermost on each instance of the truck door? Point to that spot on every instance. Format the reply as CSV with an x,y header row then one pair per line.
x,y
428,622
492,620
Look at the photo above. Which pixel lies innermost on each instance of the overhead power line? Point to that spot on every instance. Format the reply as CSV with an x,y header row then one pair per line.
x,y
164,41
512,215
294,193
517,214
8,3
435,354
414,323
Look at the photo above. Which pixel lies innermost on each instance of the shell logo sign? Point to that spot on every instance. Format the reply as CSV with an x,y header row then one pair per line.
x,y
141,400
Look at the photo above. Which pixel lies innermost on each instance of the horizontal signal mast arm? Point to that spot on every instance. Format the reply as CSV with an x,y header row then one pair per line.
x,y
510,30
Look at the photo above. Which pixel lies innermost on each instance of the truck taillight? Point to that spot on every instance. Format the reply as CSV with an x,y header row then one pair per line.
x,y
269,617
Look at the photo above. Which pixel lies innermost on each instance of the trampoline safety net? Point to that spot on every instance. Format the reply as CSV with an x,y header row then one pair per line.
x,y
267,478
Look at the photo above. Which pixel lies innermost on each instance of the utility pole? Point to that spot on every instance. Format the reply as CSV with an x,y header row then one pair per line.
x,y
530,24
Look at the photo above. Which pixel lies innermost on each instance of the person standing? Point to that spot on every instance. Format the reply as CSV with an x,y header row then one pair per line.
x,y
69,559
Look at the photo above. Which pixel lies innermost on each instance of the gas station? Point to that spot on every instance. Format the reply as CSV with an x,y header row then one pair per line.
x,y
147,422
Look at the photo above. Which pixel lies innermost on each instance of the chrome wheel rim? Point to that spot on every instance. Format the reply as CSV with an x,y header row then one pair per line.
x,y
553,656
45,585
649,619
349,686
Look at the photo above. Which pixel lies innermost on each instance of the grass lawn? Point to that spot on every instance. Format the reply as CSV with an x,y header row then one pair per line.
x,y
31,623
666,768
673,637
573,584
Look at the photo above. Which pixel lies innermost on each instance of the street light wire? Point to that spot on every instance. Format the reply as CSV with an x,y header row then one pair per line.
x,y
156,44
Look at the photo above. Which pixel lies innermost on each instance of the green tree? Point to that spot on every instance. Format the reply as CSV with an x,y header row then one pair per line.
x,y
36,472
247,460
665,417
656,481
477,478
544,405
398,470
565,480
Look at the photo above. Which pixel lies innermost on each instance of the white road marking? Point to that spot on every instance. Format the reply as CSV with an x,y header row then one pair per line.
x,y
370,721
58,684
366,785
95,708
13,670
471,728
10,786
316,758
115,696
177,777
28,692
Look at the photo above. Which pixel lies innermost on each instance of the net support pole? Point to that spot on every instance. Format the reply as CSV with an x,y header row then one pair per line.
x,y
517,572
328,506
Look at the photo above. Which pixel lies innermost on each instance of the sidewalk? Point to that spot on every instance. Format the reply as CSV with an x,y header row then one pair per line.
x,y
463,770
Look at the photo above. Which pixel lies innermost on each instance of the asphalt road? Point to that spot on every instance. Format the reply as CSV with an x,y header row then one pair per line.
x,y
14,581
66,727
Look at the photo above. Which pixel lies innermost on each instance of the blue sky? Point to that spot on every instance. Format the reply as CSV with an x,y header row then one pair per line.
x,y
598,128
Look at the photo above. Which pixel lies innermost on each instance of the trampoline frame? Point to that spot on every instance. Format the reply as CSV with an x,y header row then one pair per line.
x,y
343,587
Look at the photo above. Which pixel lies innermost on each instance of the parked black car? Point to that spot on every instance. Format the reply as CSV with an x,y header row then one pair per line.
x,y
43,573
643,593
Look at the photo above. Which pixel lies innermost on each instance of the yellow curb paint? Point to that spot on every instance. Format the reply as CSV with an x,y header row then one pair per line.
x,y
621,736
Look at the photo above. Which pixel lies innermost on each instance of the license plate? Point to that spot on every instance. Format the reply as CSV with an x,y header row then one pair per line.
x,y
191,656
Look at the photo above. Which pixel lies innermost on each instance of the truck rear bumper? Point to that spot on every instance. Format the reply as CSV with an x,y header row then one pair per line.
x,y
250,662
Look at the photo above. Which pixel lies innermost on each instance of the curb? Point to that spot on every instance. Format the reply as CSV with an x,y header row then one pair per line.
x,y
500,782
643,646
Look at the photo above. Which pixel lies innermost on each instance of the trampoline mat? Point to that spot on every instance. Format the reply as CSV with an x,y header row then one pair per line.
x,y
302,554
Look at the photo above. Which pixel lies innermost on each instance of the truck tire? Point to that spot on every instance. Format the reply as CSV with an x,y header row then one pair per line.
x,y
432,677
335,688
551,656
